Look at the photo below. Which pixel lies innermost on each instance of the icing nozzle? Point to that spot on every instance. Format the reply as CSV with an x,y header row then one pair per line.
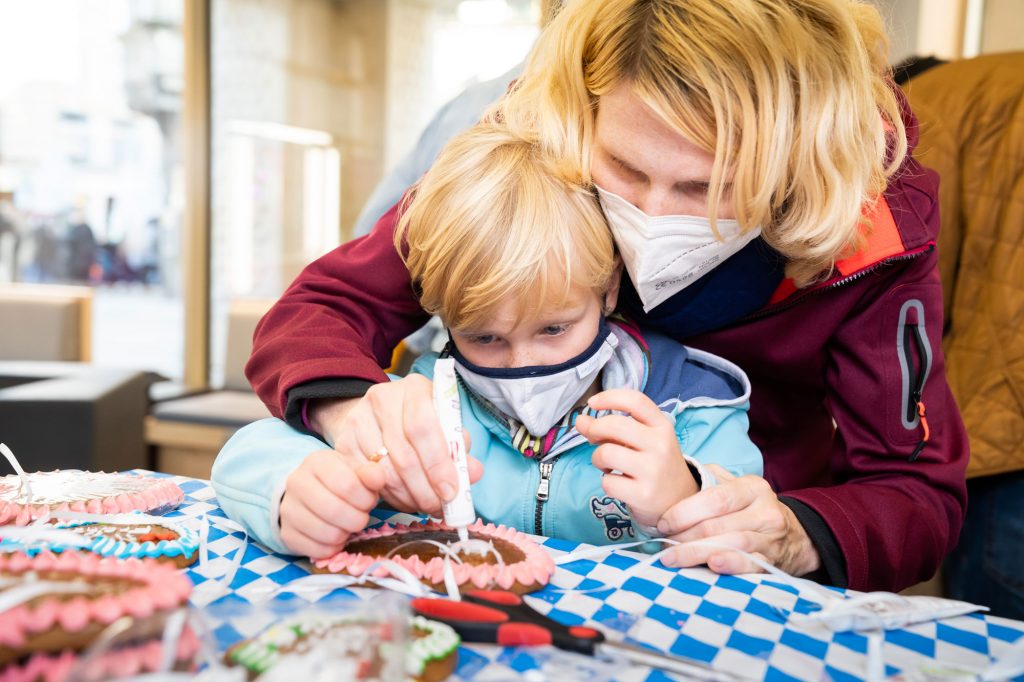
x,y
463,534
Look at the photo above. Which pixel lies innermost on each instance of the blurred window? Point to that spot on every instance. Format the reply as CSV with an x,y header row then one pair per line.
x,y
90,165
312,102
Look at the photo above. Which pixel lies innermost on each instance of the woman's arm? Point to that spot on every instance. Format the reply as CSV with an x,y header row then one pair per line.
x,y
336,326
888,520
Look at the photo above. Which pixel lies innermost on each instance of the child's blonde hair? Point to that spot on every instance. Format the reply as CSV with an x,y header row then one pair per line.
x,y
790,96
495,217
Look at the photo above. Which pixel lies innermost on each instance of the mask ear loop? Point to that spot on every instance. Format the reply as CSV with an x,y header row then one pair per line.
x,y
23,483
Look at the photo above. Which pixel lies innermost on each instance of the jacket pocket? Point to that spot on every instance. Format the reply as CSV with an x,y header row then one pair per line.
x,y
914,390
915,356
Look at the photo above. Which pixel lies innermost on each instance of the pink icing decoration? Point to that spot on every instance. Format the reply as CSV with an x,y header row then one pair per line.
x,y
161,586
160,493
537,566
120,662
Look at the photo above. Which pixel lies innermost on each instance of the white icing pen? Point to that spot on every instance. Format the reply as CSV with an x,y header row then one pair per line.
x,y
459,512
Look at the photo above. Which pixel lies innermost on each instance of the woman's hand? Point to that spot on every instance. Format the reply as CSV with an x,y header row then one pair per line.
x,y
643,448
395,423
326,499
743,513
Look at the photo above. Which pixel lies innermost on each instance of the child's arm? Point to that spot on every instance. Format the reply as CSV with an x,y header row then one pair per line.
x,y
644,449
268,460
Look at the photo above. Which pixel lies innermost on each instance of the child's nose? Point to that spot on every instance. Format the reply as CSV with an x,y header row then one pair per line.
x,y
520,357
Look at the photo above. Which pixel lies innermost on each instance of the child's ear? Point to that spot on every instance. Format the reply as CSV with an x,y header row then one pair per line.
x,y
611,296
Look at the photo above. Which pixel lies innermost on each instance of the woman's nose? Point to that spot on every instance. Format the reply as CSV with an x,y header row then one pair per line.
x,y
656,202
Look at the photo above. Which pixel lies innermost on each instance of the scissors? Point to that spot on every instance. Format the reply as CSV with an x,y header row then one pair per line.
x,y
500,617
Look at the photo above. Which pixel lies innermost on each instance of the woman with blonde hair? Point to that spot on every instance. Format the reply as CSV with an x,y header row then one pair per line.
x,y
752,161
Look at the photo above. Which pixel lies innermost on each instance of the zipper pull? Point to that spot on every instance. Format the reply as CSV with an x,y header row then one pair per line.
x,y
545,480
922,412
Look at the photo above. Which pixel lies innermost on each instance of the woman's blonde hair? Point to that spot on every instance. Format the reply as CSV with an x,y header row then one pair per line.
x,y
792,97
496,217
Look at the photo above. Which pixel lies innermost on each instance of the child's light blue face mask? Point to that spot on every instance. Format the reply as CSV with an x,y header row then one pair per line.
x,y
539,396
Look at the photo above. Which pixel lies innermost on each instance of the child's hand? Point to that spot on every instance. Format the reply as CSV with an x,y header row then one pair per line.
x,y
644,448
326,499
397,418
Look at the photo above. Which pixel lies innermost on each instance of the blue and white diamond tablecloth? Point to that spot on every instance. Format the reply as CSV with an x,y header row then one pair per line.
x,y
737,624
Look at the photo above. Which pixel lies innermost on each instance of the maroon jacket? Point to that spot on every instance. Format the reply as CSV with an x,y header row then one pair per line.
x,y
853,350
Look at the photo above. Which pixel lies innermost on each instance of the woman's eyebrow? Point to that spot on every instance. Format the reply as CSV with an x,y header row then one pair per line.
x,y
625,164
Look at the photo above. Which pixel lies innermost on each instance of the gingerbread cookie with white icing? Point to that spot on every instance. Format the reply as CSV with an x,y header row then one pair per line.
x,y
56,606
524,566
350,647
24,499
123,536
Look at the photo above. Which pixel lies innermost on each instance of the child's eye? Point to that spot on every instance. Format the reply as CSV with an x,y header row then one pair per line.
x,y
554,329
482,339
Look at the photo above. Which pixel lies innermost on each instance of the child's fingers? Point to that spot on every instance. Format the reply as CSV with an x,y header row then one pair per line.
x,y
615,428
615,457
298,515
373,477
300,543
630,401
623,488
341,481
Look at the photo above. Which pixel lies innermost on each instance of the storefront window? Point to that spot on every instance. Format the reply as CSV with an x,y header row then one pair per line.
x,y
90,166
312,103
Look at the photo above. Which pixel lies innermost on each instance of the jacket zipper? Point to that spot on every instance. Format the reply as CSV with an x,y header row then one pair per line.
x,y
546,467
789,303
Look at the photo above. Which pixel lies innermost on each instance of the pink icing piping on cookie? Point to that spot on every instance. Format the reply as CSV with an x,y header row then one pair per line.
x,y
122,662
161,587
161,493
537,566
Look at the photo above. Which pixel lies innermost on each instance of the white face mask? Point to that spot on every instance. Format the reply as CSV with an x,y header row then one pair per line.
x,y
666,254
539,396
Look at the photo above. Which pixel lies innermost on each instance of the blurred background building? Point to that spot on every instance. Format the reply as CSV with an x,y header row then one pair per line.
x,y
304,106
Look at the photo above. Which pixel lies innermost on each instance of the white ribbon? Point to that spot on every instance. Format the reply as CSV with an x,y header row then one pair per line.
x,y
451,554
24,485
31,589
404,581
173,627
28,537
202,528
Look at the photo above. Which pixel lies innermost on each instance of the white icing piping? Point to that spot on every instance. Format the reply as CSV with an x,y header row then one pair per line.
x,y
24,486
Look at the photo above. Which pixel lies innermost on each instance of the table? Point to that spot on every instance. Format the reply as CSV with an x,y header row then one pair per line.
x,y
735,622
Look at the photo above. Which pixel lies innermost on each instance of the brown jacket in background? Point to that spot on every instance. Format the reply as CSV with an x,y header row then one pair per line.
x,y
971,115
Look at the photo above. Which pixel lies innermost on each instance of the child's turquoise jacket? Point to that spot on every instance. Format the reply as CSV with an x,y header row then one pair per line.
x,y
706,396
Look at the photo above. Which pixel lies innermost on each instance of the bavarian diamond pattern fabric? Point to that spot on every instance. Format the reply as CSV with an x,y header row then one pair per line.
x,y
738,624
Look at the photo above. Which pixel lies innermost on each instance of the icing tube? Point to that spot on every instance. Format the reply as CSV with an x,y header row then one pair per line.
x,y
459,512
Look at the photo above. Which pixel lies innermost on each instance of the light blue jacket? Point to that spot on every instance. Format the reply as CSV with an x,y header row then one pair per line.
x,y
706,396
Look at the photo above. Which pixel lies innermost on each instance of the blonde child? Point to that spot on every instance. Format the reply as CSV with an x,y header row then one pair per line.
x,y
585,427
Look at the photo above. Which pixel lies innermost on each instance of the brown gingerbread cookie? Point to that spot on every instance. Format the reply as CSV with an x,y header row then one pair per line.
x,y
137,536
524,566
55,606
